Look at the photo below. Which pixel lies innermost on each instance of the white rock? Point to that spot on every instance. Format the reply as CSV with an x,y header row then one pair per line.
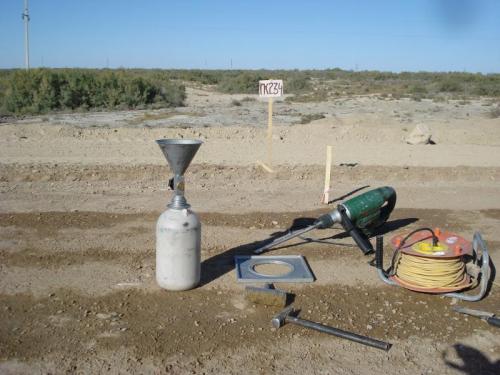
x,y
420,135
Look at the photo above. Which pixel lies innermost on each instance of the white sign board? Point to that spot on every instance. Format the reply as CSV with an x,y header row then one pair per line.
x,y
271,88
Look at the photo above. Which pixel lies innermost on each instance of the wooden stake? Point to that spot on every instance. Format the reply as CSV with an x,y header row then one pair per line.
x,y
270,133
328,169
265,167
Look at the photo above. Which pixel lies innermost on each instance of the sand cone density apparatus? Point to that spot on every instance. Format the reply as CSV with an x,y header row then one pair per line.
x,y
178,230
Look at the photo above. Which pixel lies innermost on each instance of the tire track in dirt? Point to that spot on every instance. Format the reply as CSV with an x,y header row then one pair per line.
x,y
116,232
47,172
50,222
51,260
81,241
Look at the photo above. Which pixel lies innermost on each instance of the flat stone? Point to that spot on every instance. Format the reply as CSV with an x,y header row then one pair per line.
x,y
420,135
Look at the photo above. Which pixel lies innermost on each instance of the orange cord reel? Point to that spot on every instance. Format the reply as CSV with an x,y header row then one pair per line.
x,y
450,246
437,262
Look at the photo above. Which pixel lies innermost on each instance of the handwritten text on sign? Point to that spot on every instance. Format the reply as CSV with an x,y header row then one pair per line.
x,y
271,88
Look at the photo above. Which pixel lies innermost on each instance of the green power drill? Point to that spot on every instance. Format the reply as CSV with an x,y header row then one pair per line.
x,y
359,216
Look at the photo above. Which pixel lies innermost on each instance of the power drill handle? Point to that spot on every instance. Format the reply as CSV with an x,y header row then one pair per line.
x,y
358,237
386,210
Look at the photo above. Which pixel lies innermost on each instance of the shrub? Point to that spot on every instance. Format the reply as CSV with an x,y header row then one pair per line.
x,y
306,119
297,84
240,83
417,89
248,99
450,86
44,90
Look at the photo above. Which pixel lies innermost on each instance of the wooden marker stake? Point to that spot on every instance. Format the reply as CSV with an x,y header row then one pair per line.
x,y
270,133
328,169
269,89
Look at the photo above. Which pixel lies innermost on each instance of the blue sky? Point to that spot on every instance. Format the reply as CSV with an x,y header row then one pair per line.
x,y
403,35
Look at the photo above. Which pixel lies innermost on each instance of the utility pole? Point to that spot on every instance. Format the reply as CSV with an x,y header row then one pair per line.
x,y
26,18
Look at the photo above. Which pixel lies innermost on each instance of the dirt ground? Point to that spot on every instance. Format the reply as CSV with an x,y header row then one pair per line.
x,y
80,194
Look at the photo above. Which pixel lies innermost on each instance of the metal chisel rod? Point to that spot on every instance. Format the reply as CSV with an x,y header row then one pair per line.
x,y
285,238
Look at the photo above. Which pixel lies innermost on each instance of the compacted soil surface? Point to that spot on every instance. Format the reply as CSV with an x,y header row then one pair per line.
x,y
80,195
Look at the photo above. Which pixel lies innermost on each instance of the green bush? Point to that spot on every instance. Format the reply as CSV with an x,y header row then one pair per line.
x,y
297,84
45,90
240,82
450,85
306,119
417,89
248,99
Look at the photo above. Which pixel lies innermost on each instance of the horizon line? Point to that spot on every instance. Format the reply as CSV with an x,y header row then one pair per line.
x,y
260,69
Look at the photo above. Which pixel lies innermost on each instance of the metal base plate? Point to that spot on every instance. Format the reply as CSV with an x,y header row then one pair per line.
x,y
299,270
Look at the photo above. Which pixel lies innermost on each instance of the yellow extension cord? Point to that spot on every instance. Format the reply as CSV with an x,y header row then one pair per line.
x,y
430,273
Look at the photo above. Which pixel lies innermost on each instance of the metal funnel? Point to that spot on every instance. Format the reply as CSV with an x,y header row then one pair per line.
x,y
179,154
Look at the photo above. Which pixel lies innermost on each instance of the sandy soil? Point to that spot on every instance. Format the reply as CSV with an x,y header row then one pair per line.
x,y
80,194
